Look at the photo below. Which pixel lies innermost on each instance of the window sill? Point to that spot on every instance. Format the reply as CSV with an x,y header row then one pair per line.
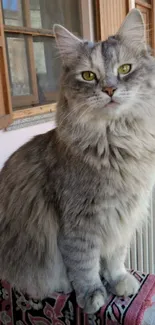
x,y
32,116
32,111
31,121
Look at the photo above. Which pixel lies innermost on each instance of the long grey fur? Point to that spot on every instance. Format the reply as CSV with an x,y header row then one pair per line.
x,y
71,199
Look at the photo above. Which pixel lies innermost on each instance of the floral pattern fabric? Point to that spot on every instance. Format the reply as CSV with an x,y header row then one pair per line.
x,y
17,309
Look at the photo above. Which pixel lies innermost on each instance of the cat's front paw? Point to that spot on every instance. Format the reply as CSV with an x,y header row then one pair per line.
x,y
127,286
93,301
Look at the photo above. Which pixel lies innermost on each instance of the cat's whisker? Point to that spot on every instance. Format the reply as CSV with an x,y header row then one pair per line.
x,y
79,119
70,113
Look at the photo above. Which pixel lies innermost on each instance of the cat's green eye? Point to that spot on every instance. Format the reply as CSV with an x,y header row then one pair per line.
x,y
88,75
124,69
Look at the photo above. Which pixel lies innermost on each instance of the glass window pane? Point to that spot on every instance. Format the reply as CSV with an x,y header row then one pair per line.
x,y
12,12
44,13
47,66
18,65
35,14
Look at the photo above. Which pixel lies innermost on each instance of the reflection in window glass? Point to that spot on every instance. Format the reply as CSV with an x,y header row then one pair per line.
x,y
12,11
44,13
34,60
35,14
47,67
18,66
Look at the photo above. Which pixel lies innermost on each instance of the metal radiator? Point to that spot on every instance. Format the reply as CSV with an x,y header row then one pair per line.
x,y
141,255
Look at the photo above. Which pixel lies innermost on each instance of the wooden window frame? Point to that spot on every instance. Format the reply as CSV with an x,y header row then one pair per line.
x,y
5,98
20,102
37,110
29,33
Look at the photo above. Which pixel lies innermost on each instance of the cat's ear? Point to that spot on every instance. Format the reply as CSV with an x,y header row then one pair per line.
x,y
132,30
67,42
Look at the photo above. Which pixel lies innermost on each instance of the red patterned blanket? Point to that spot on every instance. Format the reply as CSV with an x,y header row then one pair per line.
x,y
16,309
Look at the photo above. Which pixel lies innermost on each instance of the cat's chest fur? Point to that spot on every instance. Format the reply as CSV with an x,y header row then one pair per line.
x,y
126,178
114,207
112,185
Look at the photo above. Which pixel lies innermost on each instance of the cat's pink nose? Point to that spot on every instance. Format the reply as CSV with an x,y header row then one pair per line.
x,y
109,90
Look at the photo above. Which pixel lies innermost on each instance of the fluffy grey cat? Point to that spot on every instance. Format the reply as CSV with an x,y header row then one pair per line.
x,y
71,199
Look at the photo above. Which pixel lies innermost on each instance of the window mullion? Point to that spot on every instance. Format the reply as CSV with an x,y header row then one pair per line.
x,y
26,12
32,70
5,98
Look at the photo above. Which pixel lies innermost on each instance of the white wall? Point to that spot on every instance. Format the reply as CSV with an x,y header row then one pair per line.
x,y
12,140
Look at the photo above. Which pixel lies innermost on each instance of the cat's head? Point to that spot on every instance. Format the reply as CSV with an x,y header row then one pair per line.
x,y
108,79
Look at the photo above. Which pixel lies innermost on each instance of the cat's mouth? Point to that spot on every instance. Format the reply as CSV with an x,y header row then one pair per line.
x,y
111,104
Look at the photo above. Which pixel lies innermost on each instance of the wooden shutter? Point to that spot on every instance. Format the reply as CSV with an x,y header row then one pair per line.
x,y
111,15
5,97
